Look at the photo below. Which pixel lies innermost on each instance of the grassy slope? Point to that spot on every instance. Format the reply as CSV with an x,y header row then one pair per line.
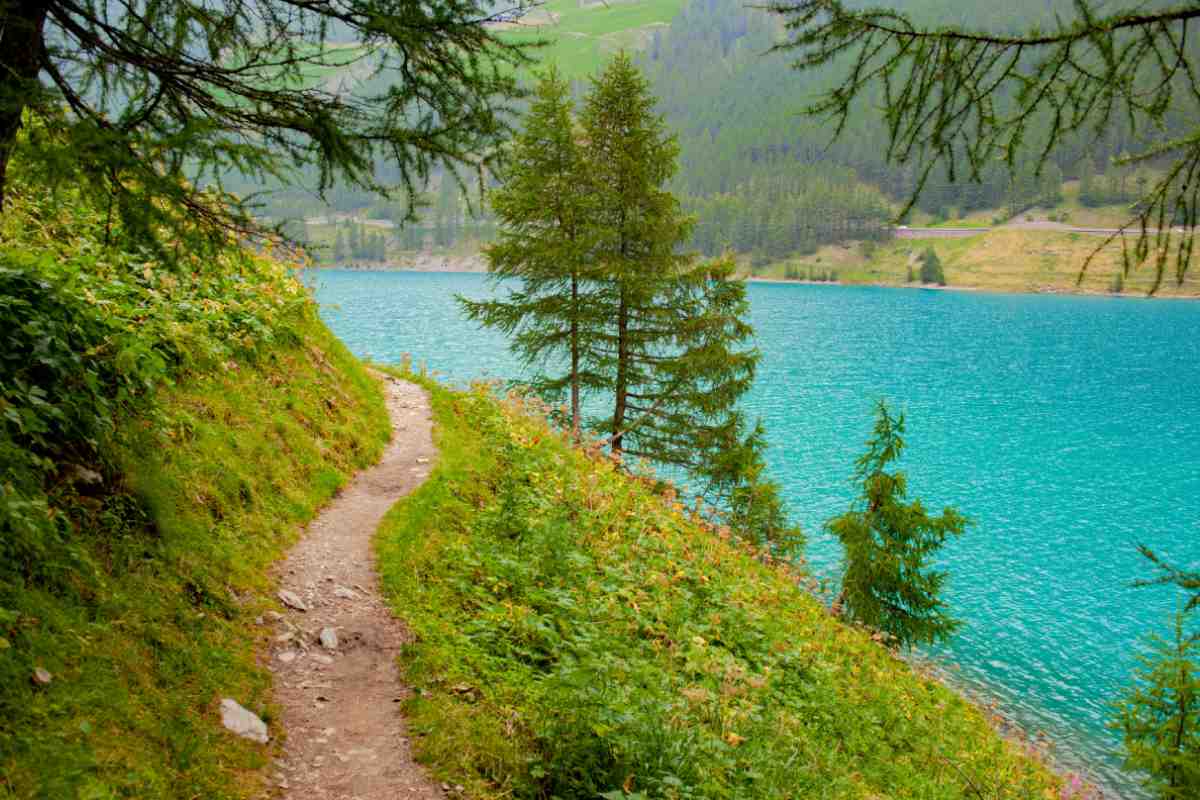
x,y
225,472
1000,260
582,37
577,634
217,413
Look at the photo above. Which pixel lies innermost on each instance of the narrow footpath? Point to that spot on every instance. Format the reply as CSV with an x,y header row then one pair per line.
x,y
334,651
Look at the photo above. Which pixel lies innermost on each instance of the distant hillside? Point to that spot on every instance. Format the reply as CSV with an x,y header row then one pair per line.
x,y
762,179
582,34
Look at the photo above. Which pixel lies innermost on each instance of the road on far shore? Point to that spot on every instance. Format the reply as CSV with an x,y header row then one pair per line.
x,y
904,232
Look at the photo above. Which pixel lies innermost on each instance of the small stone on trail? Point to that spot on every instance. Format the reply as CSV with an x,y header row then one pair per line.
x,y
328,638
321,658
422,460
41,677
292,600
274,616
345,593
287,656
242,722
88,477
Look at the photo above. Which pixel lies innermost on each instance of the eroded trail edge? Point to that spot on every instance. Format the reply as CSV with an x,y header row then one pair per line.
x,y
339,693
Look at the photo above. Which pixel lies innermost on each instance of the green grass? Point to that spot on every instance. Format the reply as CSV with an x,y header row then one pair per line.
x,y
581,38
1002,260
576,635
219,414
218,482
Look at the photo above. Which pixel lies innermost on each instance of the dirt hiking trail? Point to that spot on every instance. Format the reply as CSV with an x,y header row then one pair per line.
x,y
336,680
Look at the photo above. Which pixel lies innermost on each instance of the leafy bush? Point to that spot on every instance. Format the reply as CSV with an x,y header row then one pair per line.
x,y
88,332
931,268
578,634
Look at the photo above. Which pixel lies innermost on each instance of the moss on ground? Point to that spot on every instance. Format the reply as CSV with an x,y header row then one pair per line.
x,y
214,487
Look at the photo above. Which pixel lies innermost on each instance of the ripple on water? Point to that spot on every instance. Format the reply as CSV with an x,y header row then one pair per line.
x,y
1068,428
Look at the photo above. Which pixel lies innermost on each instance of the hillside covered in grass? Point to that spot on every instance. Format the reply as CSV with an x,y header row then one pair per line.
x,y
168,420
1004,259
578,634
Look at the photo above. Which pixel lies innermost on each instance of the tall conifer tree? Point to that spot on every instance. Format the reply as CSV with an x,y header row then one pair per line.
x,y
639,229
594,240
543,244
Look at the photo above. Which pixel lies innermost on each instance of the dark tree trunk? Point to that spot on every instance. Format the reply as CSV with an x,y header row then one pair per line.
x,y
575,356
622,387
22,50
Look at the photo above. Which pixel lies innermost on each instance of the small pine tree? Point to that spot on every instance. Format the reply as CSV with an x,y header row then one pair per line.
x,y
911,276
931,268
888,583
1160,717
1118,282
339,248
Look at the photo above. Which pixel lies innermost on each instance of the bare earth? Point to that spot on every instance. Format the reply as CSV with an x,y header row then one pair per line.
x,y
339,706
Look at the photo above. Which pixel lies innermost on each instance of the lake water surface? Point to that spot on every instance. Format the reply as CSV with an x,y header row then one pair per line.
x,y
1068,428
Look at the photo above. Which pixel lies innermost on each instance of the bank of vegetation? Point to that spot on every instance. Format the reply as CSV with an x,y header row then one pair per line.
x,y
578,632
167,423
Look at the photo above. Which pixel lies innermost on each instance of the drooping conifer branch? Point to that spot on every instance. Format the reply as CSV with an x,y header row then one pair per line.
x,y
153,99
960,99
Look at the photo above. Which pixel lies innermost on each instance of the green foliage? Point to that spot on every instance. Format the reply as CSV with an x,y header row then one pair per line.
x,y
931,268
1160,717
166,425
889,585
604,304
1170,574
578,634
167,97
1015,93
544,248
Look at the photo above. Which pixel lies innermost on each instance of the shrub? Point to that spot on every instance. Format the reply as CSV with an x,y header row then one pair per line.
x,y
931,268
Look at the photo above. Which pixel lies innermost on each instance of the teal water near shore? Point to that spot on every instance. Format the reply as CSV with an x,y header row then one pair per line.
x,y
1068,428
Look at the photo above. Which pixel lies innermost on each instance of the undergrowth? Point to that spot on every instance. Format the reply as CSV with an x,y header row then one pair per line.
x,y
166,424
578,635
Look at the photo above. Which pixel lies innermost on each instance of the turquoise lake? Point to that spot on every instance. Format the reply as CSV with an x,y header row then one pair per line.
x,y
1068,428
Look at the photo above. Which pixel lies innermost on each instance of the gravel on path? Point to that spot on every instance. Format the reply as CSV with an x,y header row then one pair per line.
x,y
340,704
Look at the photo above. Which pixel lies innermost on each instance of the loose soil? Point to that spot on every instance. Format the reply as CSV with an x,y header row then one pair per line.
x,y
339,707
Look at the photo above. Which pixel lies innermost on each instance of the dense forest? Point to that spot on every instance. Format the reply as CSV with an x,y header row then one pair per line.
x,y
761,178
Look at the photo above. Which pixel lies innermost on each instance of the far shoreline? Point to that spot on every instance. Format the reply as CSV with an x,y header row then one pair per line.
x,y
1051,292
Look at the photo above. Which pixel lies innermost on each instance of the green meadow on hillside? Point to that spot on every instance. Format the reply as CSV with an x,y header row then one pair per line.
x,y
579,634
582,35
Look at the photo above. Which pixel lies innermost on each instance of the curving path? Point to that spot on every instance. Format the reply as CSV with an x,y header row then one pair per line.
x,y
339,700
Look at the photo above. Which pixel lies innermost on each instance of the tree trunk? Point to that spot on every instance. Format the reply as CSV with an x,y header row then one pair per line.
x,y
622,388
22,50
575,356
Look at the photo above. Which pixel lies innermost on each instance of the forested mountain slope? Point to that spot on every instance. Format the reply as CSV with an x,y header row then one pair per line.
x,y
762,178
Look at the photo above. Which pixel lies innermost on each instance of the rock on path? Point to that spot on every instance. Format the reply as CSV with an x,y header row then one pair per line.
x,y
345,737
